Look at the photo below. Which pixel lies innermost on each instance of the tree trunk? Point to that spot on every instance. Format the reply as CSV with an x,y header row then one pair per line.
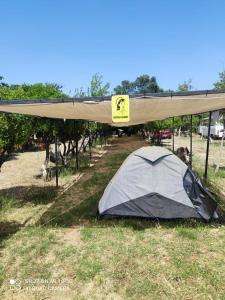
x,y
3,158
64,149
47,151
68,150
90,145
77,155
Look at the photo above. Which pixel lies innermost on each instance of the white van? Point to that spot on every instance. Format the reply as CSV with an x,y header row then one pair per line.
x,y
216,130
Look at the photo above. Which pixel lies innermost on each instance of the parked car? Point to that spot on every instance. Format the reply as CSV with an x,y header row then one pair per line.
x,y
159,135
166,134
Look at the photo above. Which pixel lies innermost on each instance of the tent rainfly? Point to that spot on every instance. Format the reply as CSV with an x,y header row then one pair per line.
x,y
154,183
143,108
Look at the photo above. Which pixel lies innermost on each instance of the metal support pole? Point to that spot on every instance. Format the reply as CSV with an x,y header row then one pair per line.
x,y
173,133
56,162
89,141
190,161
207,147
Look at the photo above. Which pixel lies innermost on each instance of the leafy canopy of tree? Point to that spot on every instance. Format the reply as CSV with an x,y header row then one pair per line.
x,y
141,85
97,88
221,83
185,86
16,129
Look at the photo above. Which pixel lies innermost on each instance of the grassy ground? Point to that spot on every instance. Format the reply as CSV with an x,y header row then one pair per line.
x,y
67,249
216,181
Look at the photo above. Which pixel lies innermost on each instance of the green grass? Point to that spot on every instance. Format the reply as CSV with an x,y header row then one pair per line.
x,y
115,259
188,233
8,202
156,262
67,171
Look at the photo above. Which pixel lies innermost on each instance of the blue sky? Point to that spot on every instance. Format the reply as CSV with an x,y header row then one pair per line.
x,y
68,41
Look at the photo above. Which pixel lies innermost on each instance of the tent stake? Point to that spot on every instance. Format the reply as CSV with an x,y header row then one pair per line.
x,y
207,148
190,162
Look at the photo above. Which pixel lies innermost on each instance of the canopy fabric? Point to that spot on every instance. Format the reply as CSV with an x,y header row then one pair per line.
x,y
143,109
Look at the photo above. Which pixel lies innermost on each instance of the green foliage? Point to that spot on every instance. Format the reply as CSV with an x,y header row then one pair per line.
x,y
182,122
97,88
185,86
1,82
221,83
31,91
16,129
141,85
158,125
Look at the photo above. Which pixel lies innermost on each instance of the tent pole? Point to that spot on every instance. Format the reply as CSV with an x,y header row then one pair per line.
x,y
207,147
173,133
191,119
56,162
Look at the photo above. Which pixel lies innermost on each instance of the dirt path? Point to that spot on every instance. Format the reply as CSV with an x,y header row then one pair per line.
x,y
74,203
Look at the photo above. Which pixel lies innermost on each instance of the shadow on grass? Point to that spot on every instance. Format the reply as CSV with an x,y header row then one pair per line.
x,y
86,214
8,228
24,194
79,206
81,200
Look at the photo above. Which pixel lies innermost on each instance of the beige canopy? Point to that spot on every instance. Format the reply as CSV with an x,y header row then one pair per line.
x,y
145,108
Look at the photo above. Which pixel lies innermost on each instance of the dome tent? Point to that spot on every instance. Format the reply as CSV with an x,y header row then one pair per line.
x,y
154,183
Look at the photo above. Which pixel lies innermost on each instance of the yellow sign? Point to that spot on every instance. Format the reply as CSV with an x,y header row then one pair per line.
x,y
120,108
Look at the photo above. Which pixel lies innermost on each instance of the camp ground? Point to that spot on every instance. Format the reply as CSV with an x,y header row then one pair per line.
x,y
122,182
112,150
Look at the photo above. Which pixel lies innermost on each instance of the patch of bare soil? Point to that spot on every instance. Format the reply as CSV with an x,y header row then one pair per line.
x,y
70,236
24,169
126,144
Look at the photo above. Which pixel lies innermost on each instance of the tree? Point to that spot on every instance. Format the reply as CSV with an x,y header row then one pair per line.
x,y
221,83
183,122
126,88
97,87
2,83
185,86
141,85
83,129
16,129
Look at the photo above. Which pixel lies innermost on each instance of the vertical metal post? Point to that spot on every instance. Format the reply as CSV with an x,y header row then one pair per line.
x,y
89,141
190,161
56,162
207,147
173,133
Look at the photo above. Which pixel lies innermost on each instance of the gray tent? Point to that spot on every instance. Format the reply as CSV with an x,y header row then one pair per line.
x,y
154,183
